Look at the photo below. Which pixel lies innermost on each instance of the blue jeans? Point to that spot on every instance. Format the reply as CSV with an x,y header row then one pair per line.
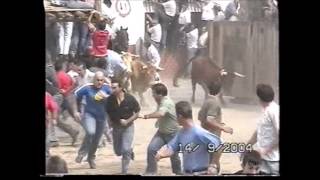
x,y
94,130
122,144
52,41
158,140
165,21
80,36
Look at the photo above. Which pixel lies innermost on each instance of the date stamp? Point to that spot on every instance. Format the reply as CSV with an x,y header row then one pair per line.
x,y
233,147
190,147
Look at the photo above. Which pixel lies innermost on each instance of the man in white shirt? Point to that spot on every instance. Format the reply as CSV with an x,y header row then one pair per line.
x,y
165,18
170,7
155,32
192,35
218,13
153,57
267,134
80,74
207,11
207,14
184,16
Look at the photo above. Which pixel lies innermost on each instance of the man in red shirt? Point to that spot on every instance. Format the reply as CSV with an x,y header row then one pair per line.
x,y
66,86
51,115
100,40
99,37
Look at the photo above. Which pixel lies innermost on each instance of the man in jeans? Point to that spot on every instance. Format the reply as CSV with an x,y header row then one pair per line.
x,y
51,35
66,86
65,27
168,127
51,117
80,36
93,117
165,12
123,109
52,88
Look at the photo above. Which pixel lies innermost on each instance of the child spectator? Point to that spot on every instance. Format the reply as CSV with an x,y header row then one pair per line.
x,y
57,165
251,163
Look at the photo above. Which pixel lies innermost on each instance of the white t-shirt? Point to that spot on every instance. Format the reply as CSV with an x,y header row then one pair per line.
x,y
153,56
219,17
192,38
185,17
73,75
155,32
170,7
207,12
88,77
268,131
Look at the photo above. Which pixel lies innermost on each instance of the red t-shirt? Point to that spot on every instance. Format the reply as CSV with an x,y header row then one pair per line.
x,y
65,82
100,40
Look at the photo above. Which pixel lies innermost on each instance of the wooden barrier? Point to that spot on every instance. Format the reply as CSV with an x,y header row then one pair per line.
x,y
250,48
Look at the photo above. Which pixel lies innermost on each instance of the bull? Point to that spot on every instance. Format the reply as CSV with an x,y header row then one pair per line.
x,y
141,74
204,71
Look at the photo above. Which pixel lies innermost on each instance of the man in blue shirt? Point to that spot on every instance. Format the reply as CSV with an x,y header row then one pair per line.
x,y
232,10
193,141
94,115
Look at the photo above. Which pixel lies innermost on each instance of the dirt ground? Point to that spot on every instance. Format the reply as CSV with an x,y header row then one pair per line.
x,y
242,118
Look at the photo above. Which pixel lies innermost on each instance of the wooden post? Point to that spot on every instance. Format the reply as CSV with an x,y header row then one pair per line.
x,y
215,43
97,5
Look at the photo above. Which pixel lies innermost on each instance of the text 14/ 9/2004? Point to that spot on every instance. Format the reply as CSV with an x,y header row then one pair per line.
x,y
224,148
230,148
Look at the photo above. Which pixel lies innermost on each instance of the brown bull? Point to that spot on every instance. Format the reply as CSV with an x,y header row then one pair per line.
x,y
204,72
141,74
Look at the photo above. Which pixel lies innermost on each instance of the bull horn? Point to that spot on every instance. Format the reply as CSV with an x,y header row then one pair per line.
x,y
122,52
223,72
238,74
159,69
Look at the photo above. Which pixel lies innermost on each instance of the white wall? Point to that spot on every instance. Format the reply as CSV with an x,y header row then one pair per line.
x,y
134,21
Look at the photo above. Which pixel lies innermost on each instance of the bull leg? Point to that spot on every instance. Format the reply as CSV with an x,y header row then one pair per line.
x,y
193,90
222,101
205,89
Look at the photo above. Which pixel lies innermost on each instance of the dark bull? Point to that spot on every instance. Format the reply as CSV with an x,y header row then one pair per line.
x,y
204,72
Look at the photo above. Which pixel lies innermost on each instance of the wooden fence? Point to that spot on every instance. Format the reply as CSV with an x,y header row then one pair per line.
x,y
250,48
